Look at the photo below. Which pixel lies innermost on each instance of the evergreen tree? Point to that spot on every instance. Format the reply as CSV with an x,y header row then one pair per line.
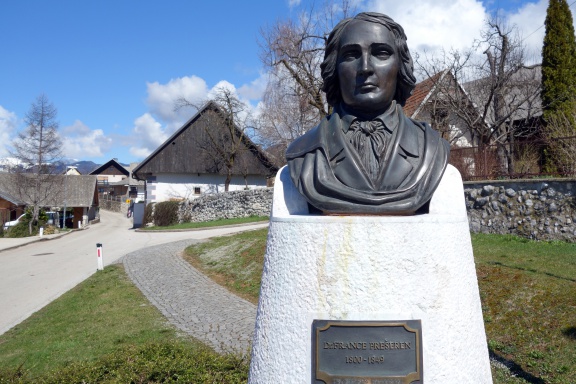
x,y
558,87
558,60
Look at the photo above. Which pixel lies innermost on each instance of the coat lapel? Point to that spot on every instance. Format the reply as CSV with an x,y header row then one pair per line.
x,y
402,156
344,163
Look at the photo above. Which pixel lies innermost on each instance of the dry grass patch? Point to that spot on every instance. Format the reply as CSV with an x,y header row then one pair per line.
x,y
234,262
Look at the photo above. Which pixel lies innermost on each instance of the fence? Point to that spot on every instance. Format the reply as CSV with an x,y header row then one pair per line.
x,y
113,203
530,159
108,197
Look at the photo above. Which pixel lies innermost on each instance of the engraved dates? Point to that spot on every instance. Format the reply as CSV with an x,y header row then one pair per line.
x,y
363,359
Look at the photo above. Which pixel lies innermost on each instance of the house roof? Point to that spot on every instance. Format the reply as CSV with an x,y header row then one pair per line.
x,y
521,98
71,170
111,163
421,93
75,191
8,197
183,152
133,180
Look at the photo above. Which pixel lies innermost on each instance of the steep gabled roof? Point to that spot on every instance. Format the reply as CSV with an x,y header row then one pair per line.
x,y
522,96
182,153
8,197
79,191
421,94
76,191
111,163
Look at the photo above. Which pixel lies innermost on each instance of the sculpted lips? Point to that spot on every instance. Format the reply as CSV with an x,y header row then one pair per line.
x,y
366,87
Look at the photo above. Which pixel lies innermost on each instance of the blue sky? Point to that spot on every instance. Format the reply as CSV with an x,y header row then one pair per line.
x,y
113,68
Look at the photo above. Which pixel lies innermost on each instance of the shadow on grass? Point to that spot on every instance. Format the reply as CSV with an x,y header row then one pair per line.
x,y
531,270
570,332
516,369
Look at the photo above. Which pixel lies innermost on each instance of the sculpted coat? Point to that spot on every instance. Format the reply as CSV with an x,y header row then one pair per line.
x,y
329,173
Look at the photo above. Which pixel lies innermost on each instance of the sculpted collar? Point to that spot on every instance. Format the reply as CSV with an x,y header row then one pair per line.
x,y
388,118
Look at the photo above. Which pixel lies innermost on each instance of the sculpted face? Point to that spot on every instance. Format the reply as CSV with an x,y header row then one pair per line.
x,y
367,68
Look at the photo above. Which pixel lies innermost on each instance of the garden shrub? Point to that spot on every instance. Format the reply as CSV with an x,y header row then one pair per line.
x,y
168,362
21,229
166,213
50,230
149,213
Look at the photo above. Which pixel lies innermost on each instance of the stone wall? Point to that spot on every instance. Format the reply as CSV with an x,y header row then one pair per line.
x,y
227,205
540,210
114,206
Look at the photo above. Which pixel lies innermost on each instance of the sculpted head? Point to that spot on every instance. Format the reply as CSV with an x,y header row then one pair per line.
x,y
367,64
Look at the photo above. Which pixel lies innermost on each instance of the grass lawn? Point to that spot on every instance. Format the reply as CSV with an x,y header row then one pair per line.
x,y
105,330
528,292
233,261
207,224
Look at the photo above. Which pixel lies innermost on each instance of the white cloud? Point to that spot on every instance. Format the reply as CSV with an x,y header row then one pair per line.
x,y
255,89
149,134
222,85
294,3
530,21
79,141
7,127
162,98
434,24
154,127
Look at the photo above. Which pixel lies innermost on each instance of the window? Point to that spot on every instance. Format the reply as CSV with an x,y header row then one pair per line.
x,y
196,190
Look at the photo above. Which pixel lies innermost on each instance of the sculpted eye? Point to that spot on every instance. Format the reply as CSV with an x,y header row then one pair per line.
x,y
382,52
349,55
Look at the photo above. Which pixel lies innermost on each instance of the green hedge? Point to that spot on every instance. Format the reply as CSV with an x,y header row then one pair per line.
x,y
166,213
151,363
149,213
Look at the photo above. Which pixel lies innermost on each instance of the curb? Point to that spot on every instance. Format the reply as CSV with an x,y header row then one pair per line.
x,y
200,229
42,239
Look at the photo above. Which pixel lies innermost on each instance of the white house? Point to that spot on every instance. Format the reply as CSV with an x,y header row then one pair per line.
x,y
192,161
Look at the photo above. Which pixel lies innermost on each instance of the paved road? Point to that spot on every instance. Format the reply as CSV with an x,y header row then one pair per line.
x,y
35,274
190,300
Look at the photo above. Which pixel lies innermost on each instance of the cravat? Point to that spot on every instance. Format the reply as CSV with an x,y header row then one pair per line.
x,y
369,139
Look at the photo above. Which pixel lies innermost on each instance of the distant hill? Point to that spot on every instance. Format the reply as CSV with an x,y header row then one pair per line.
x,y
83,166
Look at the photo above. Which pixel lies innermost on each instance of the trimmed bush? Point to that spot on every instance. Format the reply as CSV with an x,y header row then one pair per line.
x,y
166,213
21,230
149,213
151,363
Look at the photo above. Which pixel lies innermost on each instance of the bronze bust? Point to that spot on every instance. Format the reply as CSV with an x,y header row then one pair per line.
x,y
367,157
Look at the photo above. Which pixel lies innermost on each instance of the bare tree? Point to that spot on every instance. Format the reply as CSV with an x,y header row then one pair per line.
x,y
292,51
495,95
285,115
37,149
224,140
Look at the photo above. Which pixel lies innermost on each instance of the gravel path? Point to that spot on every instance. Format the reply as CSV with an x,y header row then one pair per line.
x,y
190,300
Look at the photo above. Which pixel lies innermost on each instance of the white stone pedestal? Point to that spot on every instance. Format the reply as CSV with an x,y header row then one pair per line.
x,y
370,268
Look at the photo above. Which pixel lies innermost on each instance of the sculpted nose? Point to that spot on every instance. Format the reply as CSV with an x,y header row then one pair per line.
x,y
365,66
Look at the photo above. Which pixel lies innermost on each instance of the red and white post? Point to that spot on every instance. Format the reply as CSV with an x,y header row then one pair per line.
x,y
100,257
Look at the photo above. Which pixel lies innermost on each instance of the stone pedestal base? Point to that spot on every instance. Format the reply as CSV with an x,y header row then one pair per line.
x,y
370,268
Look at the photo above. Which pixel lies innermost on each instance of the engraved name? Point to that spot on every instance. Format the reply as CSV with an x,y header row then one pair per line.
x,y
380,346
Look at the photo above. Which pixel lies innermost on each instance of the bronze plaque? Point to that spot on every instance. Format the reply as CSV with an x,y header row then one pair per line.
x,y
367,352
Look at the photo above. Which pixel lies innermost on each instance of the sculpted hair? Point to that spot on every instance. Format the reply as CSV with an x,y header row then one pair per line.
x,y
406,79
